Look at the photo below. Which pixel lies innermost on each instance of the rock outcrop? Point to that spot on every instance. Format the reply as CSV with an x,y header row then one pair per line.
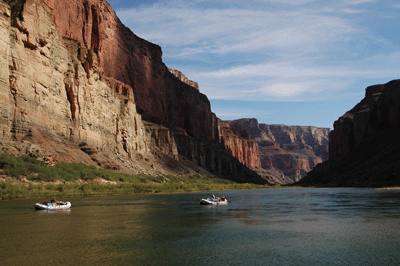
x,y
364,145
179,75
238,143
288,153
78,86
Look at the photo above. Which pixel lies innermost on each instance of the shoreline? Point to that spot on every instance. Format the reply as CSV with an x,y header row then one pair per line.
x,y
16,189
38,190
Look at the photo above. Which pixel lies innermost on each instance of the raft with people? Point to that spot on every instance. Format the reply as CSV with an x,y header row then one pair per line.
x,y
213,200
53,205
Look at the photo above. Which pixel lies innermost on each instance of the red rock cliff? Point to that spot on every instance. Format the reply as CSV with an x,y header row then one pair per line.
x,y
58,106
124,56
238,143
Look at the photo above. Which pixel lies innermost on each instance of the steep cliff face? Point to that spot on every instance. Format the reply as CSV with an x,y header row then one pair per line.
x,y
288,152
54,87
57,105
134,61
350,129
364,145
238,143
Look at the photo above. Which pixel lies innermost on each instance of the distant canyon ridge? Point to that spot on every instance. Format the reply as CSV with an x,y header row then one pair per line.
x,y
76,85
285,153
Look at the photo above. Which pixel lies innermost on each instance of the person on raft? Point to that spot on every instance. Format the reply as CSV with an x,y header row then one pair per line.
x,y
56,202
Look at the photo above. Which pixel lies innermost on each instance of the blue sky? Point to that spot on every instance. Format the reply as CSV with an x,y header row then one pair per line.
x,y
293,62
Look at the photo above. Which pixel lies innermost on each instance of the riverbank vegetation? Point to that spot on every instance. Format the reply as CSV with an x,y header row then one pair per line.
x,y
26,177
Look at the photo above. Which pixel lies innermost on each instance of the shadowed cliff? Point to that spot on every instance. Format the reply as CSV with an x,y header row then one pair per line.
x,y
364,145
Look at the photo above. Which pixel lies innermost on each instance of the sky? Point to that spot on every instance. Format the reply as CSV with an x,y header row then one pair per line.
x,y
292,62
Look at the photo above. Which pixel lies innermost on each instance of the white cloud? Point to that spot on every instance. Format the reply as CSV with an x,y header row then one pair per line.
x,y
372,66
358,2
293,80
301,49
290,2
185,31
284,89
352,11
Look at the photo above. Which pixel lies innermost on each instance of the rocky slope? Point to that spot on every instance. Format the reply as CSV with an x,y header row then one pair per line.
x,y
78,86
288,153
364,145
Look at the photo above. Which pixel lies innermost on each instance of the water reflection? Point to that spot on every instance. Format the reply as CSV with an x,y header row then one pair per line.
x,y
54,212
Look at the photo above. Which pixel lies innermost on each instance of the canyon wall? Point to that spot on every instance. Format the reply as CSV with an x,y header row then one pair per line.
x,y
288,153
216,159
238,143
125,57
59,104
51,86
364,145
179,75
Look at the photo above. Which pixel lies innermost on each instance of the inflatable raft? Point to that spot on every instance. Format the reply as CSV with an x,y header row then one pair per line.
x,y
53,206
214,201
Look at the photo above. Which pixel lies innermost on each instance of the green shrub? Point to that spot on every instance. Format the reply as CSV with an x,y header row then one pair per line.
x,y
35,170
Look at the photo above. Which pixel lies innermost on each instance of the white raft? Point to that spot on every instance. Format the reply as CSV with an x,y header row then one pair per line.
x,y
216,201
53,206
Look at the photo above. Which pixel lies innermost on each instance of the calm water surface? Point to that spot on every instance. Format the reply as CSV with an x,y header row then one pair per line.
x,y
257,227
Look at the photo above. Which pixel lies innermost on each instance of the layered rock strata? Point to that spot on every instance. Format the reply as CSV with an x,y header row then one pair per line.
x,y
54,87
124,56
238,143
288,153
57,105
364,145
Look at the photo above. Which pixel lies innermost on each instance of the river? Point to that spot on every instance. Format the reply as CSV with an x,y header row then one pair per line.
x,y
290,226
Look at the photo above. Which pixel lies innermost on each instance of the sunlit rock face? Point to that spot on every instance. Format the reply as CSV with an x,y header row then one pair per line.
x,y
238,143
364,144
57,105
51,84
77,86
288,153
125,57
